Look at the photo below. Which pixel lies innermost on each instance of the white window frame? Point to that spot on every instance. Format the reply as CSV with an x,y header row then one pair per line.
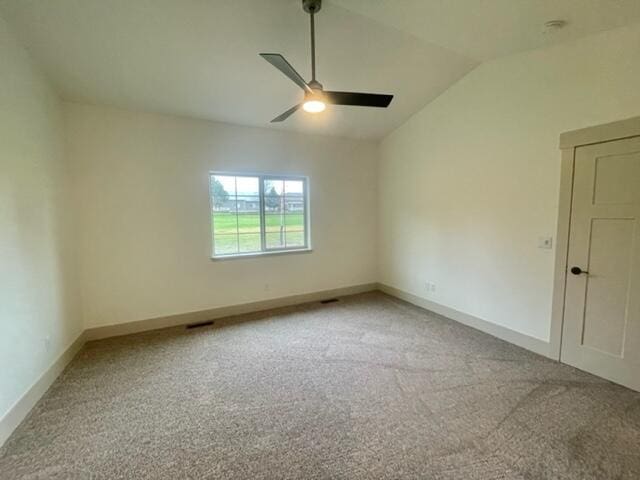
x,y
264,250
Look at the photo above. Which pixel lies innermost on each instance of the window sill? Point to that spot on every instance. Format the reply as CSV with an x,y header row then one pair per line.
x,y
238,256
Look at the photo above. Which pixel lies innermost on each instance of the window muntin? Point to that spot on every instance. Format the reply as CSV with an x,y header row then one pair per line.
x,y
255,214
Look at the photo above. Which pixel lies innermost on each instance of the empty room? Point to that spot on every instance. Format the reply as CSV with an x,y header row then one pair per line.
x,y
320,239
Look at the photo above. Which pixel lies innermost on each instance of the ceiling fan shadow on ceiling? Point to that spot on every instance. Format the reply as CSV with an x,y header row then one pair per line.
x,y
315,97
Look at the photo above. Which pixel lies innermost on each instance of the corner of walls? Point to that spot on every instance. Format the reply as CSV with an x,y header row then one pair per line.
x,y
39,320
471,181
527,342
142,190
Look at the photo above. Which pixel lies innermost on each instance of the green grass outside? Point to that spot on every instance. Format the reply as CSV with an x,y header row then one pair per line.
x,y
242,234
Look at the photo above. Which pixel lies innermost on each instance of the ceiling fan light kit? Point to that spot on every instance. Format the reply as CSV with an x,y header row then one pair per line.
x,y
314,106
315,97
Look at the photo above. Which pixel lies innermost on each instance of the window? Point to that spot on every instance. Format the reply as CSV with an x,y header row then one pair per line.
x,y
255,214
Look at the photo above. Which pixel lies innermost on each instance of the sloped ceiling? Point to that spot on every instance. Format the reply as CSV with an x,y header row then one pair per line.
x,y
486,29
199,58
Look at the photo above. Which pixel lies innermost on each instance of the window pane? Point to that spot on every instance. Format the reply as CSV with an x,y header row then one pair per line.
x,y
294,205
295,239
284,213
249,242
239,224
227,182
248,186
225,244
275,240
223,195
248,222
236,214
294,196
295,227
224,222
274,205
293,187
223,189
294,221
273,195
274,222
273,186
248,203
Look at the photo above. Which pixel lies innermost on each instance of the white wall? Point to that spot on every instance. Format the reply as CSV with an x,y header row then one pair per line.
x,y
37,280
142,193
469,183
464,190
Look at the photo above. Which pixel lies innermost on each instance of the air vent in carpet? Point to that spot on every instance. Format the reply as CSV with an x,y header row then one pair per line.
x,y
201,324
329,300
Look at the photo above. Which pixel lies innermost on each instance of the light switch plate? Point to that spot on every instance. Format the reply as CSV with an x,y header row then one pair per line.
x,y
545,242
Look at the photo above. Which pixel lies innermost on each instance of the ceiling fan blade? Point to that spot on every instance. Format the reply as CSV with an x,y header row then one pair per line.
x,y
358,99
286,114
285,67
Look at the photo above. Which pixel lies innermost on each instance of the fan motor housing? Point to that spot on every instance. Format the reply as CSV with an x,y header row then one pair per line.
x,y
312,6
315,85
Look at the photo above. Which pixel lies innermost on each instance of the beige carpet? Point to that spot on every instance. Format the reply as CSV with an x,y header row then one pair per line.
x,y
366,388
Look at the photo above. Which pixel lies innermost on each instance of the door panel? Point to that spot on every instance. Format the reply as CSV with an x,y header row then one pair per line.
x,y
601,330
607,287
616,179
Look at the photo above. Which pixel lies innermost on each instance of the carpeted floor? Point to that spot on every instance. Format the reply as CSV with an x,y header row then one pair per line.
x,y
366,388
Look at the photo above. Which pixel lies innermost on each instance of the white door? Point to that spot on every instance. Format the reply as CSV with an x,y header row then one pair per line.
x,y
601,330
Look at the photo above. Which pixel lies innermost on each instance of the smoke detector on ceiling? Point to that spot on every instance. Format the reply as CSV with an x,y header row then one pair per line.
x,y
553,26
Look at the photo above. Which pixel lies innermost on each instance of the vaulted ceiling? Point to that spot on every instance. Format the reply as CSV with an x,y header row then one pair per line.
x,y
199,58
486,29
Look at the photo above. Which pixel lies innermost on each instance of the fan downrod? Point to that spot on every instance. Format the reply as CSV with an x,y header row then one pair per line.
x,y
315,97
312,6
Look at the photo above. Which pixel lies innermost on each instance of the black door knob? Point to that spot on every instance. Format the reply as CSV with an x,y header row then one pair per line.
x,y
577,270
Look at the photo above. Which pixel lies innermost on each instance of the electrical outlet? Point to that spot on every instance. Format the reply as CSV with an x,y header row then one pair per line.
x,y
433,287
545,242
430,287
47,343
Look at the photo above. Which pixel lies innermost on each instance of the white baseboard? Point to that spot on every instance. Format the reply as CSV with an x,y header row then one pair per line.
x,y
520,339
24,404
116,330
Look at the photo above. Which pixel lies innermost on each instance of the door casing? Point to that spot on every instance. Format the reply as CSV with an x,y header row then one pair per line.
x,y
569,141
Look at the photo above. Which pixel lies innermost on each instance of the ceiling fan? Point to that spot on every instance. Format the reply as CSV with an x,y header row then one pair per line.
x,y
315,98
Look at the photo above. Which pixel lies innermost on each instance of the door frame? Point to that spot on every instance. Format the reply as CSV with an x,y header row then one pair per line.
x,y
569,141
